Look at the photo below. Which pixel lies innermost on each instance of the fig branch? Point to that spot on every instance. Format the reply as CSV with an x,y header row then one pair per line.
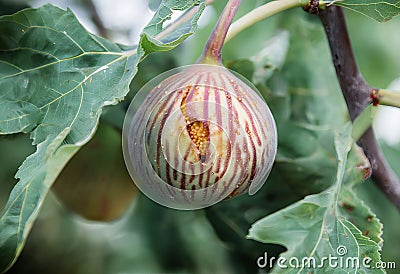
x,y
356,92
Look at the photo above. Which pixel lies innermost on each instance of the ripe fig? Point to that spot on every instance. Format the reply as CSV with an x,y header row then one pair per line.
x,y
199,134
95,184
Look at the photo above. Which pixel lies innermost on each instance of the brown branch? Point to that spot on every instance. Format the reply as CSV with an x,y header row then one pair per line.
x,y
98,22
356,92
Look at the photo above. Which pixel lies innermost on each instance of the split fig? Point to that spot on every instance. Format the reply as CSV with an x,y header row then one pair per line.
x,y
199,134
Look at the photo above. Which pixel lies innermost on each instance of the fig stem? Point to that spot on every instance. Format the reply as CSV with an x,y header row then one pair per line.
x,y
212,50
260,13
389,98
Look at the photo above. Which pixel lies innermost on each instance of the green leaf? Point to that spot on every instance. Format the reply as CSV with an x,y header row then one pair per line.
x,y
358,167
271,58
361,216
316,228
261,66
151,38
55,78
380,11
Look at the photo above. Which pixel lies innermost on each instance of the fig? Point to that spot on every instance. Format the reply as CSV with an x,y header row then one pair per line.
x,y
199,134
95,183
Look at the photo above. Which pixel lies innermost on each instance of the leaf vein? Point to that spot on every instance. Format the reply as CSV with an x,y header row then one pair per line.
x,y
83,81
120,54
11,65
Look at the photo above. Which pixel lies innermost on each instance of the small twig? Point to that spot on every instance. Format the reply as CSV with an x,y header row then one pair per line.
x,y
261,13
386,97
356,92
172,26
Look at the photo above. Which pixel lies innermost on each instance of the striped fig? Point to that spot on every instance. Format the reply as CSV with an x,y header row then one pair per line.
x,y
196,135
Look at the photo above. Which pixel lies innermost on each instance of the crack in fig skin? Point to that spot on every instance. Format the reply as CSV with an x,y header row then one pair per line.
x,y
199,131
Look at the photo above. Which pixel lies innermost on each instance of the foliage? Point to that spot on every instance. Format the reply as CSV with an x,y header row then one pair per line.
x,y
315,227
56,77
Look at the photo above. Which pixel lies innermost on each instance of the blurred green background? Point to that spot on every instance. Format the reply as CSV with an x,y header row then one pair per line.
x,y
149,238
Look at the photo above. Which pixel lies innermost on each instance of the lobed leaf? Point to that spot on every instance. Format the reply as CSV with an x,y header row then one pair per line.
x,y
316,228
360,215
55,78
152,39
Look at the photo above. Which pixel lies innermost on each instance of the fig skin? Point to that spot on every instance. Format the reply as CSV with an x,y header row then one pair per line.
x,y
95,183
199,134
